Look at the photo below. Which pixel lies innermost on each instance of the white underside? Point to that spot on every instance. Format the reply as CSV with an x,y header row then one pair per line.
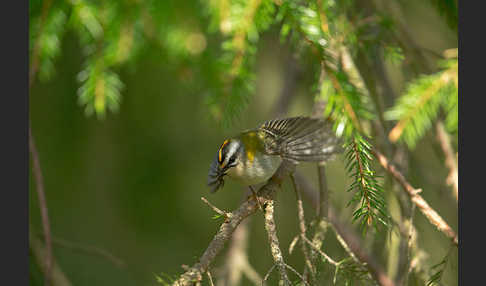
x,y
258,171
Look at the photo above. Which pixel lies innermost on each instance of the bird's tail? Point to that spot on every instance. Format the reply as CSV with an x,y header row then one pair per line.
x,y
302,139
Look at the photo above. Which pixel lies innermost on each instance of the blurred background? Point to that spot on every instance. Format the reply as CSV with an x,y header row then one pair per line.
x,y
124,172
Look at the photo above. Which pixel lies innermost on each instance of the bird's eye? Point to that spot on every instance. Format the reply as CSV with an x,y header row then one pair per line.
x,y
231,161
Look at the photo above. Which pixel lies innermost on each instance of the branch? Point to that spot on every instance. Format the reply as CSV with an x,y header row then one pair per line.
x,y
302,227
274,244
36,169
450,158
264,282
215,209
227,228
40,252
237,262
89,249
35,156
433,217
353,241
323,206
329,259
355,246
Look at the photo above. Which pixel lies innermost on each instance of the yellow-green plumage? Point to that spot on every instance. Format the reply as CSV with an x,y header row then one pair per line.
x,y
253,166
253,156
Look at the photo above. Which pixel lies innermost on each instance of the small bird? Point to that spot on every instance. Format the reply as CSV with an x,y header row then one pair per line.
x,y
254,155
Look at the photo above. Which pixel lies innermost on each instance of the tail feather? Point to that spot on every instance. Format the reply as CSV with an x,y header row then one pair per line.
x,y
302,139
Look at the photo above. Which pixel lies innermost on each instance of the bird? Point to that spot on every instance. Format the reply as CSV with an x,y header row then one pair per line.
x,y
254,155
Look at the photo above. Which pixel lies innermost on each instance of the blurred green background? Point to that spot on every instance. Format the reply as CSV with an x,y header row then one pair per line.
x,y
132,183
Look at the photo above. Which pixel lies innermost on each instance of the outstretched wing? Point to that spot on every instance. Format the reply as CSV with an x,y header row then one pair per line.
x,y
300,139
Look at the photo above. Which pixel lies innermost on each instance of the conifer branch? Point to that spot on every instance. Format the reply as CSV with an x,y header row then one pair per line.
x,y
419,106
239,38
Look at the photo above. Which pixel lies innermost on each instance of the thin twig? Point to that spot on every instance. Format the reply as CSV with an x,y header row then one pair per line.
x,y
39,252
332,261
323,206
237,262
352,241
268,274
410,241
345,246
214,208
251,274
273,240
293,243
433,217
303,230
89,249
297,273
355,246
227,228
36,169
450,158
210,278
35,156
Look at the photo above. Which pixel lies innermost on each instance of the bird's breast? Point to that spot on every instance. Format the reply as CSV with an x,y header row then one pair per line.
x,y
255,169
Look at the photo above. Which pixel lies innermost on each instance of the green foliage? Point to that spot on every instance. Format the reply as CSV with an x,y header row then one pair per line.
x,y
438,270
100,88
113,34
448,9
420,105
48,37
241,22
368,192
393,54
109,37
349,272
346,106
165,279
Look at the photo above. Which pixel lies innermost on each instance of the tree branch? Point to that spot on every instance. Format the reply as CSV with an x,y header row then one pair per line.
x,y
227,228
39,253
89,249
303,230
273,240
237,262
450,158
36,169
353,241
433,217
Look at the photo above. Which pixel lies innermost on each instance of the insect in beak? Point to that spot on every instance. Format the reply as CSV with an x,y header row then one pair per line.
x,y
215,176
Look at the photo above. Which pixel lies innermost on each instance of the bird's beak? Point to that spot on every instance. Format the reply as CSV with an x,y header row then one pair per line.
x,y
215,176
